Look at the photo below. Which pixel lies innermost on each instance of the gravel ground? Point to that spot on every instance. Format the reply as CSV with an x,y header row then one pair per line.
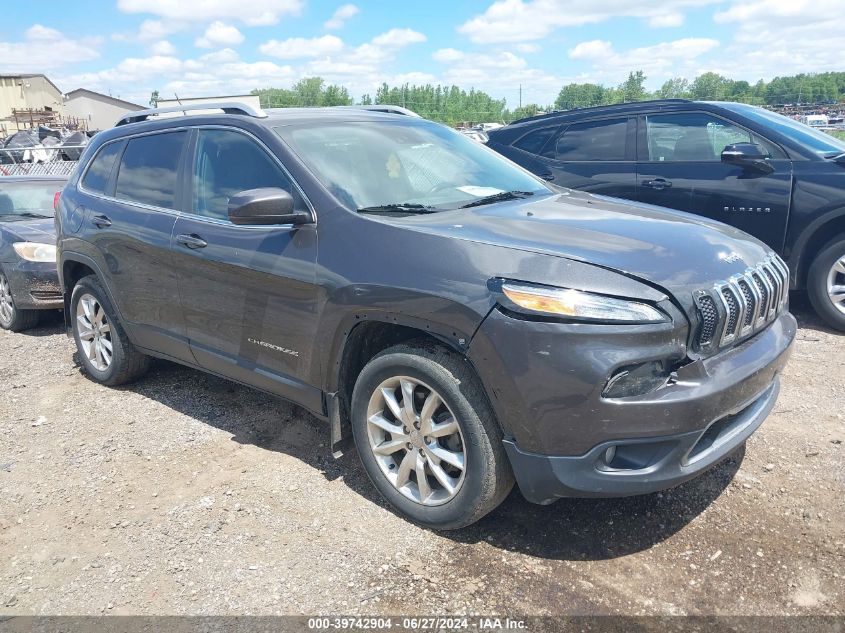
x,y
186,494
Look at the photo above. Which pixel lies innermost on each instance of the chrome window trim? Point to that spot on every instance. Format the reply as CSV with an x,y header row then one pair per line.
x,y
176,212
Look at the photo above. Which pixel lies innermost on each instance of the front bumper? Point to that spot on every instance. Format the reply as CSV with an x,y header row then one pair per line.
x,y
545,382
645,465
34,285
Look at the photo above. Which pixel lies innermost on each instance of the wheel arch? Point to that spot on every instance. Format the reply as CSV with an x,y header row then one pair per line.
x,y
821,231
75,266
363,337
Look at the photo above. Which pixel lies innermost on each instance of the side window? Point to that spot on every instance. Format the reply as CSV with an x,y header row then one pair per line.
x,y
227,163
695,136
593,141
534,141
149,168
96,179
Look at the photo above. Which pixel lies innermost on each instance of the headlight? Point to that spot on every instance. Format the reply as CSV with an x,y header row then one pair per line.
x,y
35,252
577,304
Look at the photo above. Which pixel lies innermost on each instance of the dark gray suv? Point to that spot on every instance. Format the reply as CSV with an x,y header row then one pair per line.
x,y
467,323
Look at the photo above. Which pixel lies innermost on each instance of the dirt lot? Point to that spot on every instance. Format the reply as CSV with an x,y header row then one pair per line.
x,y
185,494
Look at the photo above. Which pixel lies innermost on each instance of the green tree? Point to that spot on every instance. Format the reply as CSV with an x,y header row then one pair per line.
x,y
675,88
709,87
154,99
309,91
580,96
633,88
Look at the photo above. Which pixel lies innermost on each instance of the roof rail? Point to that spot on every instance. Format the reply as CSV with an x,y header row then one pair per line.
x,y
387,108
227,107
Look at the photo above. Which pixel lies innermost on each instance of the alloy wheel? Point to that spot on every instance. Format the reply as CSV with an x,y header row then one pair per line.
x,y
94,332
836,284
416,440
7,308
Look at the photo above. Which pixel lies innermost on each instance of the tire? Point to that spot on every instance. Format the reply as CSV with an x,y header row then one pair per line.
x,y
12,318
90,305
475,441
827,277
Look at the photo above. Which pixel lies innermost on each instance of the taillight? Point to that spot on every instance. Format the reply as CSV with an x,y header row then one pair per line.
x,y
56,197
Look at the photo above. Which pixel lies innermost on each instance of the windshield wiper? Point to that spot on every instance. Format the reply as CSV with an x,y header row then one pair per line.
x,y
401,207
497,197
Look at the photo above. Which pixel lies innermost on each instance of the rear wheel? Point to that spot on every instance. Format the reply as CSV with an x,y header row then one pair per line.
x,y
106,352
427,437
826,283
11,318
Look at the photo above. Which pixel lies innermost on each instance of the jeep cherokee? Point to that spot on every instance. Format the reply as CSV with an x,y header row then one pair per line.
x,y
467,324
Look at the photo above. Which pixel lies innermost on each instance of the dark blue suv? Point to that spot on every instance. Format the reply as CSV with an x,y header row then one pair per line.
x,y
770,176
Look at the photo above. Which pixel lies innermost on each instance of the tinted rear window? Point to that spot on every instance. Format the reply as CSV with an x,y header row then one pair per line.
x,y
593,141
534,141
148,169
97,177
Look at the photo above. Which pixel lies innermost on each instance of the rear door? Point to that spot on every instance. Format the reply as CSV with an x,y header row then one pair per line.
x,y
598,156
131,193
248,292
680,167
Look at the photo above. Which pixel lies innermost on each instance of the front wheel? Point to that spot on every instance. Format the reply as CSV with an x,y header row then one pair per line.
x,y
427,436
826,283
13,318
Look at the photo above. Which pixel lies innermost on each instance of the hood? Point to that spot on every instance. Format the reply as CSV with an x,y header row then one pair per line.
x,y
34,230
676,251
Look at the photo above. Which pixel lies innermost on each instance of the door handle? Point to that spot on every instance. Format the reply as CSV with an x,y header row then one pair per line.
x,y
657,183
191,241
100,221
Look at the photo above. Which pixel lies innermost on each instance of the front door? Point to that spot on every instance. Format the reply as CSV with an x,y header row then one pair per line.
x,y
248,292
681,168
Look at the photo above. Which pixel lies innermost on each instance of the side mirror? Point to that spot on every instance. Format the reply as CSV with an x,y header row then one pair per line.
x,y
268,205
747,155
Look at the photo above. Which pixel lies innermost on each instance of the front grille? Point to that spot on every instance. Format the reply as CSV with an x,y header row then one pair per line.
x,y
736,308
709,319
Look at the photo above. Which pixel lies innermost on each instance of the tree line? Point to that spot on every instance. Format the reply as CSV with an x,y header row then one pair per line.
x,y
453,105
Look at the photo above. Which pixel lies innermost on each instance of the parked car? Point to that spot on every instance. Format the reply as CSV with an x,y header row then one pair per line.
x,y
463,321
762,172
28,279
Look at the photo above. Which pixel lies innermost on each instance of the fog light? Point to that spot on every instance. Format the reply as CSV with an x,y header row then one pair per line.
x,y
636,380
609,454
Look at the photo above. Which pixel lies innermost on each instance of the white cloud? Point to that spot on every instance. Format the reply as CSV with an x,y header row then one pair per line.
x,y
528,48
397,38
44,48
253,12
679,57
219,34
666,20
341,15
499,73
529,20
163,47
156,30
594,49
298,47
774,37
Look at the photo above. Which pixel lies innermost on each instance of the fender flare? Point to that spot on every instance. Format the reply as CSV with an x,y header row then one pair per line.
x,y
797,260
79,258
452,337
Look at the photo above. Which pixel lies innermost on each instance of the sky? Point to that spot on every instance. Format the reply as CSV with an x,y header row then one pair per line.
x,y
191,48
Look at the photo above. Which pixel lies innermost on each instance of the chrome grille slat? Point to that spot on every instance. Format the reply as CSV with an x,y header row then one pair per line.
x,y
747,303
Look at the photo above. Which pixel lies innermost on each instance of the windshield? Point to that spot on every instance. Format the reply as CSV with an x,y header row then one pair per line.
x,y
19,200
817,141
407,164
